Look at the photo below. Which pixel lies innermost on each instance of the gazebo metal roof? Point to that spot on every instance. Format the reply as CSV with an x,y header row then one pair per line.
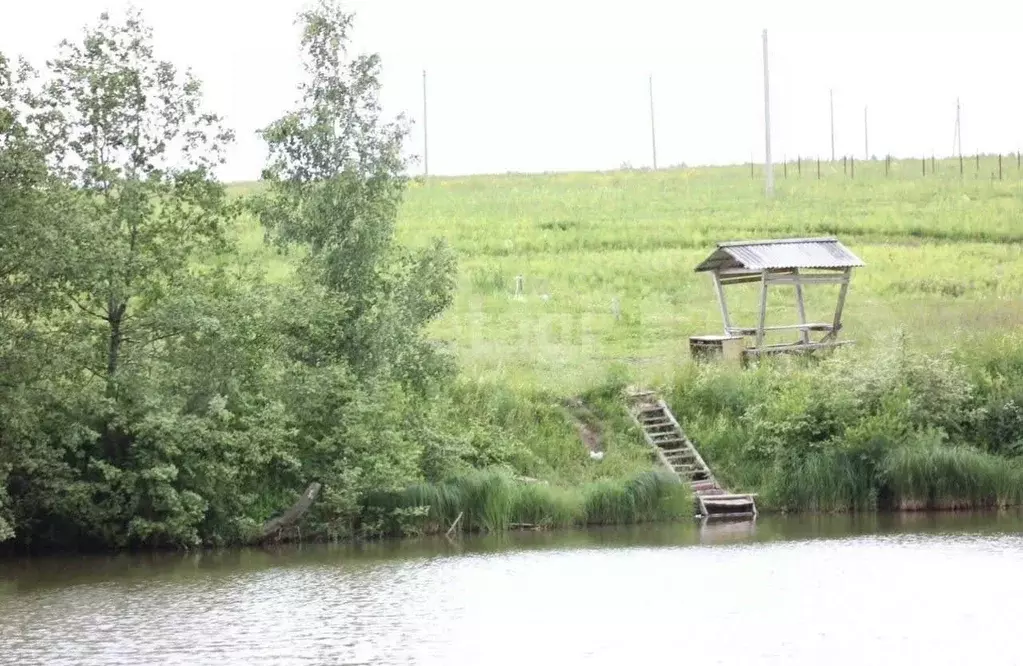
x,y
783,253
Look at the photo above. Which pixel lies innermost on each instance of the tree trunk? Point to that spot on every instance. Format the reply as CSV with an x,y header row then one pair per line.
x,y
115,317
292,515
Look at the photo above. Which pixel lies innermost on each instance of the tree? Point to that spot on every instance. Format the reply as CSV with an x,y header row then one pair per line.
x,y
115,157
336,178
139,146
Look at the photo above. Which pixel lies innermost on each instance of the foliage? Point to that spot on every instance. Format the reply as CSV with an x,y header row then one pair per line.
x,y
335,182
157,390
894,428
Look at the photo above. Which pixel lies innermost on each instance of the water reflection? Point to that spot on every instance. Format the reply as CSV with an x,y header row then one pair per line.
x,y
810,589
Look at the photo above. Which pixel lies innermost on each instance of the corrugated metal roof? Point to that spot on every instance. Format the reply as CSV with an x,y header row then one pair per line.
x,y
781,253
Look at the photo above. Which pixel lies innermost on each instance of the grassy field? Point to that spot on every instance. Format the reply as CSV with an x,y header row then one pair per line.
x,y
943,259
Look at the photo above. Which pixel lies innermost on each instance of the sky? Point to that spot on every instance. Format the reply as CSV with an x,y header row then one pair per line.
x,y
562,85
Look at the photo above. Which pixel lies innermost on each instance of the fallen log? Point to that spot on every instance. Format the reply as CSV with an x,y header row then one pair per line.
x,y
292,515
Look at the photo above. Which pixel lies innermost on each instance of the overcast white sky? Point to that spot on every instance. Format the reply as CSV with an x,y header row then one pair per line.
x,y
562,84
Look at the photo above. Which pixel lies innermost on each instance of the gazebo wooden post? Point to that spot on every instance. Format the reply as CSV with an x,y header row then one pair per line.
x,y
843,290
722,303
804,334
763,309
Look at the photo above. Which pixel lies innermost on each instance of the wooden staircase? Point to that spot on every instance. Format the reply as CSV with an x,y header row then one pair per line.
x,y
677,453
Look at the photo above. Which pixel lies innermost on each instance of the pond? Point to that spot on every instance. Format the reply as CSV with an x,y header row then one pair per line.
x,y
906,588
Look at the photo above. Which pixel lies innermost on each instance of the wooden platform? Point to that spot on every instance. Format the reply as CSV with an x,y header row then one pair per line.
x,y
674,450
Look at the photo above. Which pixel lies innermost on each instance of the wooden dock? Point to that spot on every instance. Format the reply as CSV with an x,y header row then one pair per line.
x,y
674,450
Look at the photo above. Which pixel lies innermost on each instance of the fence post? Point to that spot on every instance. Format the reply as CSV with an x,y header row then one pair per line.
x,y
785,167
960,164
799,166
978,162
887,164
923,166
845,165
934,165
999,166
818,168
852,166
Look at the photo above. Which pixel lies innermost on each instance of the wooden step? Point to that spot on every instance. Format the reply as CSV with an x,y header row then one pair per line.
x,y
733,498
654,423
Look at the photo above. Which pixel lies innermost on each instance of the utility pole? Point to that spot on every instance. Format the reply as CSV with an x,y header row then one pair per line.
x,y
426,143
866,141
831,100
957,140
653,132
959,129
768,169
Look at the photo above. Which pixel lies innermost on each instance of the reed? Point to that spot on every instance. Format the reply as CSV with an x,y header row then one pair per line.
x,y
492,501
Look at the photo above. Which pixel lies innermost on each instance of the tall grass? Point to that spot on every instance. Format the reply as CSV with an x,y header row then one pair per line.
x,y
491,501
950,477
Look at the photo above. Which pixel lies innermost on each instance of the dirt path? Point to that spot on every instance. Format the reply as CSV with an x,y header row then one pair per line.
x,y
586,423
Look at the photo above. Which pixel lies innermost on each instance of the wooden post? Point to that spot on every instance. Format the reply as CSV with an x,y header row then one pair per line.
x,y
818,168
923,166
960,164
934,165
852,166
751,167
978,162
804,334
887,164
845,165
785,167
799,166
722,303
843,290
999,166
763,309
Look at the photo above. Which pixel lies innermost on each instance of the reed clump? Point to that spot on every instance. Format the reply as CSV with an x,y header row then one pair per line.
x,y
494,500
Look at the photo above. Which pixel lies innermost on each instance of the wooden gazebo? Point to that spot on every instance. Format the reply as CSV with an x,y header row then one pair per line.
x,y
792,262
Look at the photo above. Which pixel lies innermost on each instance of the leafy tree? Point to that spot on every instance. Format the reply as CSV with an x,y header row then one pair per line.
x,y
122,155
336,177
138,143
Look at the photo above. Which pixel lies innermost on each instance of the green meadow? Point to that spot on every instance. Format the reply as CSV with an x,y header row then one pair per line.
x,y
607,260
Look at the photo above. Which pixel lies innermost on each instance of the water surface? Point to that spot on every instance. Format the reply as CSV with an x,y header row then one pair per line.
x,y
813,590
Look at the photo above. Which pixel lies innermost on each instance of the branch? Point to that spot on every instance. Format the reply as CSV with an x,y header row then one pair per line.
x,y
156,338
87,310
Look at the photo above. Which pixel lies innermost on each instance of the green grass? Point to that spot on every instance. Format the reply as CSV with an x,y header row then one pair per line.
x,y
943,259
